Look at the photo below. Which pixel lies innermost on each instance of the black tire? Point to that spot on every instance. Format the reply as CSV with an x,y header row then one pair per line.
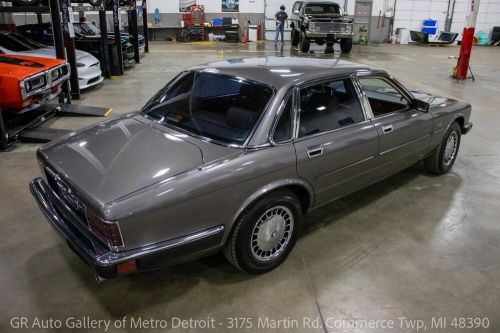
x,y
444,156
304,43
243,247
346,45
295,38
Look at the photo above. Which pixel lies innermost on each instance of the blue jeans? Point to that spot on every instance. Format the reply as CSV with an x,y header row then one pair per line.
x,y
280,28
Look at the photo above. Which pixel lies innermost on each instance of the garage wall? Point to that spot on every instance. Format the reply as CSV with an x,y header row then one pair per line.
x,y
252,10
410,13
487,18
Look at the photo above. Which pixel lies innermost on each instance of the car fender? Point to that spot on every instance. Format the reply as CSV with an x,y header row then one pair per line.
x,y
275,185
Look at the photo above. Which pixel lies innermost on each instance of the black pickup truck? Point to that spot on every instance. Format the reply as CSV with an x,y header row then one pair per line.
x,y
322,22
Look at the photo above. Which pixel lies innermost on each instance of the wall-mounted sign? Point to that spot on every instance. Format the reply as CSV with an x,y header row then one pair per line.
x,y
230,5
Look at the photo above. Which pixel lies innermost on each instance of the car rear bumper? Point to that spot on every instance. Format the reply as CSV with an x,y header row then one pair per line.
x,y
104,261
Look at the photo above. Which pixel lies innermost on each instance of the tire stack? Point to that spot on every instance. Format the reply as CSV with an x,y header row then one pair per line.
x,y
232,36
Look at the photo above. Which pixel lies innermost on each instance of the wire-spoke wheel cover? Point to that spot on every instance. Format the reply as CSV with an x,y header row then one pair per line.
x,y
450,150
271,233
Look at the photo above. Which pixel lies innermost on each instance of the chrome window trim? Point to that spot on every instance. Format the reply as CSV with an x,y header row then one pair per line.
x,y
365,103
316,82
365,122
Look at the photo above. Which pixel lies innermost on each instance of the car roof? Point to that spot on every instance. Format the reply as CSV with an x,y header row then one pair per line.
x,y
282,72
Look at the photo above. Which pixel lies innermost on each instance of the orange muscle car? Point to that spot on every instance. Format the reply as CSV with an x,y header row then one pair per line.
x,y
27,82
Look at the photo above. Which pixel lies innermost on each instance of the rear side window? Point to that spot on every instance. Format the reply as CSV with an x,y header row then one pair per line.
x,y
329,106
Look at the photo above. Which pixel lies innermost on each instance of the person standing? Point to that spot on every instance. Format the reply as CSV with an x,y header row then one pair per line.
x,y
280,18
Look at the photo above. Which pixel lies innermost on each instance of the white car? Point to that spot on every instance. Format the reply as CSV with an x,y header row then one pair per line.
x,y
89,68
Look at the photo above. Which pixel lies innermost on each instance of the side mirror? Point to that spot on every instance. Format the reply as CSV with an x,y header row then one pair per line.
x,y
420,105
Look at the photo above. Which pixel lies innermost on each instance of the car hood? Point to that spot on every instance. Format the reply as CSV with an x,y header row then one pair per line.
x,y
116,158
19,66
50,52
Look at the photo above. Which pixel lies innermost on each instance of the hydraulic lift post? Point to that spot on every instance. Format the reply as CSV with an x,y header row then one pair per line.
x,y
69,43
145,26
4,137
132,27
462,68
118,37
57,31
104,43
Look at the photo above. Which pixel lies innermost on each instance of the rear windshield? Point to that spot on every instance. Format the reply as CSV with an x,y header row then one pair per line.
x,y
17,43
322,9
219,107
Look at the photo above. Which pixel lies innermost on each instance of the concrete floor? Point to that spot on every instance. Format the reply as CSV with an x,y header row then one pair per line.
x,y
413,246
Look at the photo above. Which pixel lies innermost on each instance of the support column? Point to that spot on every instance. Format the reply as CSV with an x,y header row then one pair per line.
x,y
467,40
105,61
118,37
57,30
69,43
132,29
145,25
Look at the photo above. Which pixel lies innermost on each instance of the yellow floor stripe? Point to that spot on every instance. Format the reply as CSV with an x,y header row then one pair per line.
x,y
108,112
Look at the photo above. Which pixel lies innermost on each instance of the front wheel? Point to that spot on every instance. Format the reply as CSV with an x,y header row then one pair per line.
x,y
346,45
443,157
265,233
304,43
295,38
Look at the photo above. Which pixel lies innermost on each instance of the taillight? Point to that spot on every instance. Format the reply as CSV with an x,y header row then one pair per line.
x,y
109,232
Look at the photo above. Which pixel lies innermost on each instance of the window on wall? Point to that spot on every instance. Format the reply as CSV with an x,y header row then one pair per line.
x,y
329,106
383,96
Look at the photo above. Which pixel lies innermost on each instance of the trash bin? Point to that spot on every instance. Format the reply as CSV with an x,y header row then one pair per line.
x,y
252,33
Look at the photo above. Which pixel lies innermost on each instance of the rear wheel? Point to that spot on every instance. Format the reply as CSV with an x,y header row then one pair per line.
x,y
346,45
443,157
304,43
265,233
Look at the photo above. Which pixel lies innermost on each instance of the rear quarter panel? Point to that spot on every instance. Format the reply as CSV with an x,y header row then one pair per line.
x,y
209,196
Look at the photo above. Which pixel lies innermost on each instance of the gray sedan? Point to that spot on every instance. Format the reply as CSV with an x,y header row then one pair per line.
x,y
230,156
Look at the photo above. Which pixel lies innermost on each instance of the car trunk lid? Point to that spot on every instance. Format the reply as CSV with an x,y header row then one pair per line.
x,y
118,157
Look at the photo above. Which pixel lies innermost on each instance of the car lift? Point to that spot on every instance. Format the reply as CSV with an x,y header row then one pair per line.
x,y
24,127
60,17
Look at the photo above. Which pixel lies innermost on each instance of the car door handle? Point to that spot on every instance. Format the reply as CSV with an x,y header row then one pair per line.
x,y
314,151
387,129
